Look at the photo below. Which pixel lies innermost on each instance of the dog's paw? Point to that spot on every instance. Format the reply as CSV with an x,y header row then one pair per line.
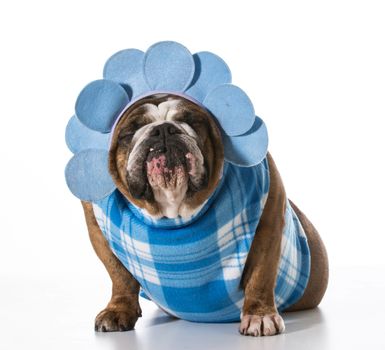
x,y
109,320
261,325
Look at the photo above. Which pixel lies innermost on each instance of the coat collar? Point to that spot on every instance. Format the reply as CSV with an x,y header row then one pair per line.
x,y
166,223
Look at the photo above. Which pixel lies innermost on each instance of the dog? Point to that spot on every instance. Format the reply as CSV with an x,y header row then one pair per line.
x,y
166,159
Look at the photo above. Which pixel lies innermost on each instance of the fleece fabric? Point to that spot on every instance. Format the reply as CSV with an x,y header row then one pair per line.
x,y
192,268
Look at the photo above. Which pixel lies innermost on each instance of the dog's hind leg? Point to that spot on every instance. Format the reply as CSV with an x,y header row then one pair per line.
x,y
123,309
319,271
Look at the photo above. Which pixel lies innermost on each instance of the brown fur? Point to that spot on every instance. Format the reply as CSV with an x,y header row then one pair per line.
x,y
261,267
123,309
319,270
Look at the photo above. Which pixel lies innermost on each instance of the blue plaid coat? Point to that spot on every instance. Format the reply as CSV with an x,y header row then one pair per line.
x,y
192,268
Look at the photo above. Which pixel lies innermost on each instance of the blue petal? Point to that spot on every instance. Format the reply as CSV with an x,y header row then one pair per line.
x,y
248,149
100,103
210,71
168,66
232,108
87,175
126,68
79,137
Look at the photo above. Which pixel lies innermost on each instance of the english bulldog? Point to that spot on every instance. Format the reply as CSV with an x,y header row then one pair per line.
x,y
166,158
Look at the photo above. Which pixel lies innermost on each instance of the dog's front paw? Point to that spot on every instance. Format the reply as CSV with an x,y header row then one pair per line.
x,y
115,320
258,325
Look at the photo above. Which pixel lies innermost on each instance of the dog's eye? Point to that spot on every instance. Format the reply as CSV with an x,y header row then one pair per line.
x,y
189,118
196,124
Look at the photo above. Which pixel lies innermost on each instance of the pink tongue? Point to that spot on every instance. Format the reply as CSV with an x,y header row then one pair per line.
x,y
156,165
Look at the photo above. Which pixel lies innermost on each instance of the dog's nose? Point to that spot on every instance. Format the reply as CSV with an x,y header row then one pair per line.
x,y
164,130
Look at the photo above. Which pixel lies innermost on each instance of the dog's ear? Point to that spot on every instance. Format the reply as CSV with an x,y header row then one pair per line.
x,y
125,137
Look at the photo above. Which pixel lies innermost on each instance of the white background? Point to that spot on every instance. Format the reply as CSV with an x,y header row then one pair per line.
x,y
315,71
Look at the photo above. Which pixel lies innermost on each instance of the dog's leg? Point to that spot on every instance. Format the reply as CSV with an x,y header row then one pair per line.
x,y
319,271
123,309
259,314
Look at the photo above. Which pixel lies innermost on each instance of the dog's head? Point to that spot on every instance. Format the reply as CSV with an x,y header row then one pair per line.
x,y
166,155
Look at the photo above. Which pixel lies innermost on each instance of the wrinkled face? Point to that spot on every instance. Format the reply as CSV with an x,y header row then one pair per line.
x,y
166,155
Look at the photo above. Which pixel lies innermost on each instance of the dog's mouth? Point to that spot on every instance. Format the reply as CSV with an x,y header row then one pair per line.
x,y
169,173
169,167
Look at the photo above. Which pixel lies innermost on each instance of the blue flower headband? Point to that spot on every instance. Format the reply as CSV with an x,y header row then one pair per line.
x,y
166,67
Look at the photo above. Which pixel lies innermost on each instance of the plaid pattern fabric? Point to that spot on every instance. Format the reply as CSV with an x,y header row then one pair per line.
x,y
192,268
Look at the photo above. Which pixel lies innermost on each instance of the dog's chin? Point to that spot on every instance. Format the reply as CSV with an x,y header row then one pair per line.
x,y
171,176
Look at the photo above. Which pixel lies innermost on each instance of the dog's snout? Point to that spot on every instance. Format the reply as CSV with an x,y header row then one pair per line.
x,y
165,130
161,148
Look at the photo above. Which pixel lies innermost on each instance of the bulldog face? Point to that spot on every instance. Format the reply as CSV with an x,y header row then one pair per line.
x,y
166,155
